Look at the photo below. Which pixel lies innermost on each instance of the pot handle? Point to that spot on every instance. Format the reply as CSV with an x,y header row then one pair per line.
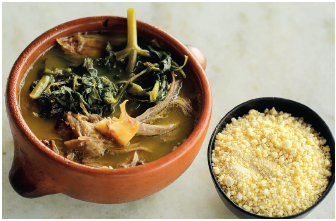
x,y
28,178
200,57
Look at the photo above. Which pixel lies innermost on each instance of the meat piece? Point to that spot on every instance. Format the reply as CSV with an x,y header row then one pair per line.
x,y
63,129
127,149
92,118
122,130
51,144
91,45
140,162
153,130
151,113
93,162
90,147
133,162
46,142
81,126
183,104
74,124
71,156
93,138
93,147
89,141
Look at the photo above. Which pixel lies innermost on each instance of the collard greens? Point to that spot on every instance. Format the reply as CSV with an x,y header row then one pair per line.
x,y
67,88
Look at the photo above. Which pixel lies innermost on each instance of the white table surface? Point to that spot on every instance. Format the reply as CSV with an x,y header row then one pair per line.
x,y
253,50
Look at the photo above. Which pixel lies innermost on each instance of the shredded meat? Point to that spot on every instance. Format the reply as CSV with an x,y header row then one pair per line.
x,y
83,133
86,139
185,105
71,156
89,45
151,113
89,146
83,125
133,162
153,130
94,162
63,130
123,129
92,118
51,144
92,135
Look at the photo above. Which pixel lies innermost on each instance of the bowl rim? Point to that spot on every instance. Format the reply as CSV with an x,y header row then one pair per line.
x,y
14,112
219,188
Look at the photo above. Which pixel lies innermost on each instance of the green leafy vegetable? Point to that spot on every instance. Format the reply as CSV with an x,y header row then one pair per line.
x,y
149,69
80,84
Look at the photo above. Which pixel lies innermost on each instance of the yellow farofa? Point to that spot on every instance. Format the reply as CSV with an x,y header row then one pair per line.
x,y
271,164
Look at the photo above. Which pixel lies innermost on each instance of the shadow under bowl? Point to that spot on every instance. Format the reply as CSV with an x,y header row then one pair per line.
x,y
280,104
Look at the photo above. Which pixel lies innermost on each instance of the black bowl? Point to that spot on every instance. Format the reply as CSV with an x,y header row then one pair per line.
x,y
280,104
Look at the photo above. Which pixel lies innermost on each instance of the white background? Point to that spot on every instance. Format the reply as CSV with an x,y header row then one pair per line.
x,y
253,50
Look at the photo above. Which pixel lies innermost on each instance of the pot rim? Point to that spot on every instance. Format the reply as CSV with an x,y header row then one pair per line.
x,y
13,107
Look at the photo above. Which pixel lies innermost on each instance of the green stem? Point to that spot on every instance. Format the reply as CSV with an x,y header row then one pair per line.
x,y
132,40
40,87
128,82
132,49
132,61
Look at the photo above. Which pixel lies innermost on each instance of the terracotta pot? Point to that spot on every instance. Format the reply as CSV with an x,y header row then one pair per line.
x,y
37,171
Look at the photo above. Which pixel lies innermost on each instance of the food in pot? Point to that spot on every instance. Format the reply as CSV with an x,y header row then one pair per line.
x,y
271,164
104,100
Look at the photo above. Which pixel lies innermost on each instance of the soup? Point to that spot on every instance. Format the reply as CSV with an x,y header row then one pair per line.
x,y
99,103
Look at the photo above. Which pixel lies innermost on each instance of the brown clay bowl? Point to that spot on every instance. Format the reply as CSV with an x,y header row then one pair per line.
x,y
37,171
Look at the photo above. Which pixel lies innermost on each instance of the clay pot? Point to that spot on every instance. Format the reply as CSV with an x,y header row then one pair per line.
x,y
37,171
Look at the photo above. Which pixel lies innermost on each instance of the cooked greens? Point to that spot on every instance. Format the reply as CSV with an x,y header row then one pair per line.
x,y
70,87
132,49
86,77
63,89
146,67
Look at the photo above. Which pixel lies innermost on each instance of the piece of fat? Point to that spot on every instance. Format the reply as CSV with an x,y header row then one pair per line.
x,y
122,130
